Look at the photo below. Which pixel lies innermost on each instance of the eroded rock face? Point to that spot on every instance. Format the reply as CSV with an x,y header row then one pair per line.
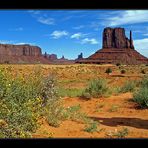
x,y
21,54
115,38
20,50
117,48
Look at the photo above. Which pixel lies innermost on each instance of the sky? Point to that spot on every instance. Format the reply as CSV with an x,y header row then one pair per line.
x,y
70,32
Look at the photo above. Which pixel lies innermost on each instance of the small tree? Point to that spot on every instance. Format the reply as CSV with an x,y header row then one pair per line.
x,y
123,71
143,71
108,71
118,64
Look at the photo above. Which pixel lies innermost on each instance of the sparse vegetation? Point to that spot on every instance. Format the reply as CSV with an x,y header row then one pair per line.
x,y
143,71
31,96
92,127
129,86
69,92
108,71
114,108
119,134
141,96
123,71
118,64
96,88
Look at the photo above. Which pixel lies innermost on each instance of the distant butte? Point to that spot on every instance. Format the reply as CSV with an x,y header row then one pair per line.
x,y
116,48
21,54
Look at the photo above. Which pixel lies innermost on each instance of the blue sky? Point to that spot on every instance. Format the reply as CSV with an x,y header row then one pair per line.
x,y
70,32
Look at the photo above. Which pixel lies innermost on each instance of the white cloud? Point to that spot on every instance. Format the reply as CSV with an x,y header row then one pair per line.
x,y
23,43
77,35
141,45
47,21
6,42
58,34
79,27
42,17
89,41
127,17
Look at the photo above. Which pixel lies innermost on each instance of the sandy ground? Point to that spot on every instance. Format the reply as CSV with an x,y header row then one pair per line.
x,y
127,114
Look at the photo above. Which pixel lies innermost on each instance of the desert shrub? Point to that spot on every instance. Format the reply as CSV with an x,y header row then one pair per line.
x,y
119,134
129,86
55,113
143,71
118,64
21,102
108,70
123,71
141,97
144,82
69,92
92,127
114,108
96,88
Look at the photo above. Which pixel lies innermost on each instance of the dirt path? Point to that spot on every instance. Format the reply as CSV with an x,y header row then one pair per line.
x,y
113,113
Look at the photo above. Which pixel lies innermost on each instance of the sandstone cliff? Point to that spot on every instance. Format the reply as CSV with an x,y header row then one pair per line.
x,y
21,54
116,48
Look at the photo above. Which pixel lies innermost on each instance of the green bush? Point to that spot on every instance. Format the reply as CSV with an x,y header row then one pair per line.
x,y
92,127
129,86
143,71
141,97
108,70
118,64
144,82
96,88
21,102
123,71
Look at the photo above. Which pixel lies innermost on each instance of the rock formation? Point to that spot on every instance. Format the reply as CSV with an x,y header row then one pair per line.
x,y
80,56
115,38
116,48
21,54
52,57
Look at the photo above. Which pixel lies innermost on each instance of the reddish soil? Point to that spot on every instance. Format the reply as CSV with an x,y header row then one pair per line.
x,y
126,115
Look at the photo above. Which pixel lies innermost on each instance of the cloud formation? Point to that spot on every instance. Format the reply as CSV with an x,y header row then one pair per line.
x,y
89,41
58,34
141,45
127,17
77,35
46,21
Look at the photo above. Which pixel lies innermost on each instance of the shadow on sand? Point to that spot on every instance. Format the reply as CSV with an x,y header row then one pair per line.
x,y
115,121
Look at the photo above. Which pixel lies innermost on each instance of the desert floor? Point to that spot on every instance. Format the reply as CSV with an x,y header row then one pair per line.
x,y
113,113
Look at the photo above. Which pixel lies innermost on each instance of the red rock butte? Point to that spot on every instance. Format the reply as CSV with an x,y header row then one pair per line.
x,y
117,48
21,54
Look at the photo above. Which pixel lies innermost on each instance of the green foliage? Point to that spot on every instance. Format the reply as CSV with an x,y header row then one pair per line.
x,y
144,82
123,71
129,86
122,133
108,70
56,113
119,134
96,88
114,108
143,71
118,64
69,92
92,127
141,96
21,101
